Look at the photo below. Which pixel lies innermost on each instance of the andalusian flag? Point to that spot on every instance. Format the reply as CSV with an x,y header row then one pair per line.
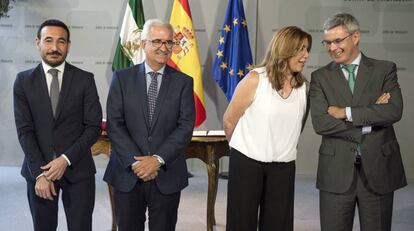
x,y
128,51
185,55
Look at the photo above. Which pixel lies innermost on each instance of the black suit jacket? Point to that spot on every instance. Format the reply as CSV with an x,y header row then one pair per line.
x,y
380,152
131,135
75,129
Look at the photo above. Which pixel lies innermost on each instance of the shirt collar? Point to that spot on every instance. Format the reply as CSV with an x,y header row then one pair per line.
x,y
356,61
47,67
149,69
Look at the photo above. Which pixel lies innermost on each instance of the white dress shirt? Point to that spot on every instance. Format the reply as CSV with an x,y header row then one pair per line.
x,y
61,69
348,111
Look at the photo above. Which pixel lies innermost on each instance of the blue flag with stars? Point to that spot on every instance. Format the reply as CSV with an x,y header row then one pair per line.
x,y
234,57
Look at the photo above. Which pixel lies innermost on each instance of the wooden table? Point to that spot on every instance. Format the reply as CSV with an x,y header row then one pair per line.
x,y
103,146
209,149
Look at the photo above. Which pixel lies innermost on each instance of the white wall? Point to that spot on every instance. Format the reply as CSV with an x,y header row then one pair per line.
x,y
387,33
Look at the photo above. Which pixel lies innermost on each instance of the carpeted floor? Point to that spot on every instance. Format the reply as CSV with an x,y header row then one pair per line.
x,y
15,215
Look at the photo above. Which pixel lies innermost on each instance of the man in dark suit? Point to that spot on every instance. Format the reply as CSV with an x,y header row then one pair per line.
x,y
151,117
58,118
355,100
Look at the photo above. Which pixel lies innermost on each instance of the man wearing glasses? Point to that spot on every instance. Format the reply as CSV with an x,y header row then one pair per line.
x,y
151,115
355,100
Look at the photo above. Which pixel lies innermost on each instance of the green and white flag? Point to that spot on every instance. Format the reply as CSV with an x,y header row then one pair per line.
x,y
129,51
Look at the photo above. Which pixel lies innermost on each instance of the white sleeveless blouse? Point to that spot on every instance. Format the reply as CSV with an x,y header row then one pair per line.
x,y
269,129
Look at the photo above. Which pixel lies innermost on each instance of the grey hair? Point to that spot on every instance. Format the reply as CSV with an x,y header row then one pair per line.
x,y
342,19
154,23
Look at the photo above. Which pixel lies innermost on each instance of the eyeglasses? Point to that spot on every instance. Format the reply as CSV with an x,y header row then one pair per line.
x,y
338,41
157,43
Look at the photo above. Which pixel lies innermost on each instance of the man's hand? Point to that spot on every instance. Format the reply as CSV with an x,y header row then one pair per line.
x,y
337,112
340,112
383,99
147,168
45,188
55,169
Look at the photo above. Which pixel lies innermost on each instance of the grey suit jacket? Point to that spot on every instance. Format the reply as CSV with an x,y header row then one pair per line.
x,y
380,152
131,135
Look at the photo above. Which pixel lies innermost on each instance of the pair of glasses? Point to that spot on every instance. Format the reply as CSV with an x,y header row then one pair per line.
x,y
337,41
157,43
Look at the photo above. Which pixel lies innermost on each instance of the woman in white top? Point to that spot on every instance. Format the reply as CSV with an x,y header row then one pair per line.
x,y
262,123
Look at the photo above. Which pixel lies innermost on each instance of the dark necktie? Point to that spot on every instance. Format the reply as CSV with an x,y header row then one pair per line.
x,y
351,76
54,90
152,95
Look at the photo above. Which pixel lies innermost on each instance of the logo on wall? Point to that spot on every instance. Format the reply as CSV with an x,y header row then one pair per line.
x,y
184,38
132,46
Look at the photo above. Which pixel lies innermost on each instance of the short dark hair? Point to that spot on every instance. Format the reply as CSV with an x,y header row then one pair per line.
x,y
53,22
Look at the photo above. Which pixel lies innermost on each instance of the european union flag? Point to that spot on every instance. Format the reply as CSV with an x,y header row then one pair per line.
x,y
234,57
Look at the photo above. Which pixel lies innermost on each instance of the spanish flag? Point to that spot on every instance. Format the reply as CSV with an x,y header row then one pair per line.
x,y
185,54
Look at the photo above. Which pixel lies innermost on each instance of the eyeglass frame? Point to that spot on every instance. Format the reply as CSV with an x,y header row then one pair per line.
x,y
157,43
337,41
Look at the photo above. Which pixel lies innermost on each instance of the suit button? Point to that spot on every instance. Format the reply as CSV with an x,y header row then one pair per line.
x,y
149,138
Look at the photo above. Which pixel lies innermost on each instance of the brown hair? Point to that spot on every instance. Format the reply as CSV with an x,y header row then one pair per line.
x,y
285,44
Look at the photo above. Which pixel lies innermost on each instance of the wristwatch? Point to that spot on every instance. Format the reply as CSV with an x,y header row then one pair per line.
x,y
160,160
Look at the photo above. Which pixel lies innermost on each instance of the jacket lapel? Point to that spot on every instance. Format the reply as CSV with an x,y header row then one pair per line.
x,y
66,83
43,92
340,83
363,77
165,83
141,86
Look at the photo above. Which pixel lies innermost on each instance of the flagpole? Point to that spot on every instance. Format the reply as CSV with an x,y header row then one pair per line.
x,y
257,27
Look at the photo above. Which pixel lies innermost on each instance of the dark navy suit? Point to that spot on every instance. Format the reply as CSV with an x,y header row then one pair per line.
x,y
72,132
131,135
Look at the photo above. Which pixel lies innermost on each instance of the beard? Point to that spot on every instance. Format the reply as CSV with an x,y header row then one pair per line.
x,y
52,61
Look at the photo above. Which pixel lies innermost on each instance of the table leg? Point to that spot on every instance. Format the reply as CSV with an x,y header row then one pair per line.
x,y
212,170
111,199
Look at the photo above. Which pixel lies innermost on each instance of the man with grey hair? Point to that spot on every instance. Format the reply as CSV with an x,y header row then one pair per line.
x,y
355,100
151,115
